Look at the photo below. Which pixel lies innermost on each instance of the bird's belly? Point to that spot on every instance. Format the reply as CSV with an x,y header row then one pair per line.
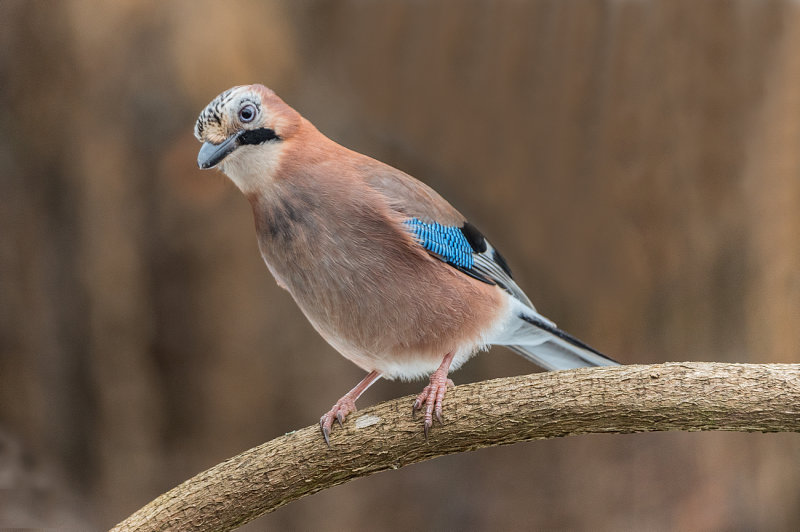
x,y
369,289
405,364
400,320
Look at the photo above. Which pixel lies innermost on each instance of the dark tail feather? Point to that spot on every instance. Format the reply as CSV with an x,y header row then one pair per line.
x,y
561,350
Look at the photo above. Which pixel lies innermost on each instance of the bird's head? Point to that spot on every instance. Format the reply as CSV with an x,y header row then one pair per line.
x,y
242,130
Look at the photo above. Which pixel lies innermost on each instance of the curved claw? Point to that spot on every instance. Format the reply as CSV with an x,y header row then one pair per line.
x,y
326,432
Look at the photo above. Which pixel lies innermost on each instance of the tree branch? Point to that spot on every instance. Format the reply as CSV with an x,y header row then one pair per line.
x,y
674,396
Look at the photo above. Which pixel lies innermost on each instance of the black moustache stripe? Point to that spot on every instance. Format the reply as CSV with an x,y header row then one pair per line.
x,y
257,136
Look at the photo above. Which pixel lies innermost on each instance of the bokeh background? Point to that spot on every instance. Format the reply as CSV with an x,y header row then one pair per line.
x,y
638,163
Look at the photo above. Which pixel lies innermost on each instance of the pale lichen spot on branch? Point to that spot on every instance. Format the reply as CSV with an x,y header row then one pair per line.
x,y
367,421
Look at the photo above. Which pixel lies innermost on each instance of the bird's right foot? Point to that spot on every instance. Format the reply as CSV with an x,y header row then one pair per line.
x,y
338,413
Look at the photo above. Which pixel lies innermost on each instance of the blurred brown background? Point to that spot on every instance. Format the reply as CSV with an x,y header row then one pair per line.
x,y
638,163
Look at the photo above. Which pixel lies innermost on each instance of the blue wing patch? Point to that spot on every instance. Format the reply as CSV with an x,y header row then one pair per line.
x,y
446,242
465,249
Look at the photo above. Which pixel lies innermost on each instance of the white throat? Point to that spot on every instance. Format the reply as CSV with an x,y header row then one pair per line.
x,y
251,168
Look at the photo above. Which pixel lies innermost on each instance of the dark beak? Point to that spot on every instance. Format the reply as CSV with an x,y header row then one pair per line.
x,y
212,154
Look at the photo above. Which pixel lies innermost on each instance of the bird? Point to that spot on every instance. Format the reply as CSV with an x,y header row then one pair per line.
x,y
387,271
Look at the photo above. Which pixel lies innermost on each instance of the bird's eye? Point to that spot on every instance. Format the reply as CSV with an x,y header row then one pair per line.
x,y
247,113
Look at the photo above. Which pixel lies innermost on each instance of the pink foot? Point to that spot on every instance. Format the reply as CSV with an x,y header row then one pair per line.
x,y
340,410
433,394
345,406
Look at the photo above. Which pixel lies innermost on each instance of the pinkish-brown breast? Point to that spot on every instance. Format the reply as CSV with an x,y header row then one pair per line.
x,y
339,248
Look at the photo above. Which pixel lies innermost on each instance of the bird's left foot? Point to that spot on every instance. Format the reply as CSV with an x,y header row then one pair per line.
x,y
433,395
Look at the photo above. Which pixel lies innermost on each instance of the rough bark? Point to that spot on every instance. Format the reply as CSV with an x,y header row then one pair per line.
x,y
690,396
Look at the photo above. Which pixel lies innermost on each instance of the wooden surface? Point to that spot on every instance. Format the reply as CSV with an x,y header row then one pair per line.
x,y
689,396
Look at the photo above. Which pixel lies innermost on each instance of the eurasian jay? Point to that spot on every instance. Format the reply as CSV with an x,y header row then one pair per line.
x,y
385,269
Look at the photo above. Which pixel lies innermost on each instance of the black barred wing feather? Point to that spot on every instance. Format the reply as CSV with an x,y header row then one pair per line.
x,y
467,250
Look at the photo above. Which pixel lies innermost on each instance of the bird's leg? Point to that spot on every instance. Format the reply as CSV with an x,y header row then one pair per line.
x,y
345,405
433,394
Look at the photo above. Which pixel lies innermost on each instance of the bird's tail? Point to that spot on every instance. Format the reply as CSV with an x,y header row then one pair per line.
x,y
554,349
